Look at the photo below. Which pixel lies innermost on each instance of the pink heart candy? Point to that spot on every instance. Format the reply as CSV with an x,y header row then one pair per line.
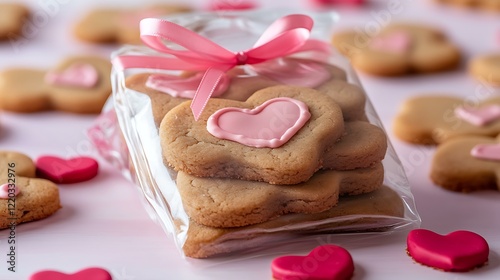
x,y
294,72
337,2
458,251
479,116
218,5
396,42
86,274
6,189
323,263
486,151
68,171
183,87
270,125
82,75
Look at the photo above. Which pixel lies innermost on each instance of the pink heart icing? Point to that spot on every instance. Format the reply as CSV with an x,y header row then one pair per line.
x,y
323,263
93,273
397,42
486,151
294,72
479,116
183,87
5,189
66,171
269,125
81,75
458,251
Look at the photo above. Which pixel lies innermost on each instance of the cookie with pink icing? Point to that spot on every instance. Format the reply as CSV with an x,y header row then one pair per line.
x,y
466,164
331,262
458,251
115,25
398,49
437,118
24,198
167,91
78,84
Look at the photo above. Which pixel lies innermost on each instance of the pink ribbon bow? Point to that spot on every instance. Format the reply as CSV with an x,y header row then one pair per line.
x,y
286,36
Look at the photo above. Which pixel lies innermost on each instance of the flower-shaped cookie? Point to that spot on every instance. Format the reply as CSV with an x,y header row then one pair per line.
x,y
23,198
12,18
435,119
120,25
78,85
486,68
398,49
210,201
240,85
467,164
490,5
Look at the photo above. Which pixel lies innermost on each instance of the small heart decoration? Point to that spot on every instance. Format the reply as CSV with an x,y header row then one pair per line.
x,y
183,87
322,263
479,116
217,5
486,151
269,125
66,171
94,273
81,75
395,42
6,191
458,251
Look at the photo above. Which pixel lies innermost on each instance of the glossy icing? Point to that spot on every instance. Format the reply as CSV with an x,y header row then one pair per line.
x,y
82,75
457,251
183,87
479,116
325,262
269,125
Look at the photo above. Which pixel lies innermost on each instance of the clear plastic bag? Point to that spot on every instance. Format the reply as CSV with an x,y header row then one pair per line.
x,y
386,205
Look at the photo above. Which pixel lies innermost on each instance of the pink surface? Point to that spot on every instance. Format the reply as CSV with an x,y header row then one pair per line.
x,y
325,262
66,171
80,75
184,87
269,125
479,116
457,251
86,274
395,42
486,151
8,191
103,221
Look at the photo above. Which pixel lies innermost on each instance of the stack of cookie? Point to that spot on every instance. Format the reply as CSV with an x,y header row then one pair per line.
x,y
264,157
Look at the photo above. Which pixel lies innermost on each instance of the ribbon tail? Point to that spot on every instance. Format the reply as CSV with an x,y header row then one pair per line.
x,y
205,90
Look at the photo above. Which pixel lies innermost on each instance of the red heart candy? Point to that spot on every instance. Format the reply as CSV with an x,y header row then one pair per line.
x,y
324,262
458,251
68,171
93,273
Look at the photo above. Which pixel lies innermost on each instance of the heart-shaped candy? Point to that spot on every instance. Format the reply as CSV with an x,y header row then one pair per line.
x,y
486,151
337,2
66,171
479,116
458,251
217,5
184,87
270,125
93,273
8,191
395,42
323,263
82,75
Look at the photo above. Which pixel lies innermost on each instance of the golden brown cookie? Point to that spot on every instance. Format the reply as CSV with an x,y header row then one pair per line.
x,y
350,98
22,197
120,25
435,119
235,203
375,211
188,145
490,5
486,68
398,49
466,164
78,85
12,18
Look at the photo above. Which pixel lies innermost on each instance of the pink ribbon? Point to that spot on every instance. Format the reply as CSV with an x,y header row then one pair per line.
x,y
287,35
